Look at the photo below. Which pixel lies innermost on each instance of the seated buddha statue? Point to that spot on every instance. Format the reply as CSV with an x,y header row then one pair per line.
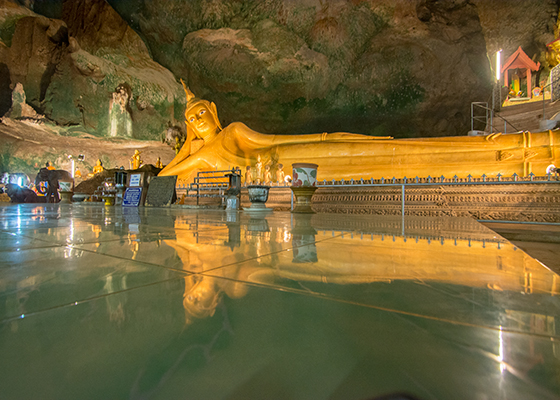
x,y
98,167
135,161
353,156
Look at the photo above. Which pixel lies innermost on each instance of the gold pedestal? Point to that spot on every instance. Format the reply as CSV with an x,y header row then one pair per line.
x,y
109,200
66,197
303,196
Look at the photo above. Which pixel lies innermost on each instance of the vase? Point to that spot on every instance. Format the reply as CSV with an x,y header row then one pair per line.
x,y
304,184
304,175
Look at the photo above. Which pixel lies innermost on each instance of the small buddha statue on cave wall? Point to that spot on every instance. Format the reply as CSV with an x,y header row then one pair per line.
x,y
159,164
178,145
135,161
98,167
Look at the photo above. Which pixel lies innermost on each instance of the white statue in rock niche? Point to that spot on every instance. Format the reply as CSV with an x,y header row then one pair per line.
x,y
120,113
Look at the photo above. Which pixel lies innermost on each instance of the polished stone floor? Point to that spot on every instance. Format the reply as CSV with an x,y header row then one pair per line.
x,y
109,303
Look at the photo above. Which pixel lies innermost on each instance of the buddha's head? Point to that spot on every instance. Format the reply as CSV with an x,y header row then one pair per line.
x,y
201,116
201,297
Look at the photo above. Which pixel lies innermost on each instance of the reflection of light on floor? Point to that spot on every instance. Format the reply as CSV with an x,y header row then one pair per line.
x,y
18,219
501,351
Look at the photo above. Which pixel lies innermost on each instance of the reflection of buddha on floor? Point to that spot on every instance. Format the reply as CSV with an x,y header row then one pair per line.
x,y
459,262
346,155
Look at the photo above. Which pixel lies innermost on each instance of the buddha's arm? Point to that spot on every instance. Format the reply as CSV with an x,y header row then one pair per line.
x,y
187,165
183,154
246,139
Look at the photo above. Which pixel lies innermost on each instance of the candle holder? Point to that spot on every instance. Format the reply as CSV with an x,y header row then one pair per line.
x,y
258,195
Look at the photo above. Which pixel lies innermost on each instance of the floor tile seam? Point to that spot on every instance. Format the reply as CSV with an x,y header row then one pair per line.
x,y
386,309
26,248
14,291
445,320
443,292
107,241
77,247
264,255
86,300
421,387
81,243
186,271
509,367
146,263
487,353
35,238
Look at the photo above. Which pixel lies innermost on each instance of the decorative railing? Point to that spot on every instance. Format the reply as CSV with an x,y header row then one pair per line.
x,y
203,182
204,187
441,180
207,184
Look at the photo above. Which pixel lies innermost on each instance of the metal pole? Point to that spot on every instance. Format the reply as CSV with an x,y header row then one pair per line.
x,y
543,109
402,200
492,111
292,201
472,116
402,212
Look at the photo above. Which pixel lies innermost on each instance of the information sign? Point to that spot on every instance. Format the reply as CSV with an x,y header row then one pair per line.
x,y
132,197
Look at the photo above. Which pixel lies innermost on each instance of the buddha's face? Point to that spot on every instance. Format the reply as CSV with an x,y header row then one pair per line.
x,y
202,121
202,298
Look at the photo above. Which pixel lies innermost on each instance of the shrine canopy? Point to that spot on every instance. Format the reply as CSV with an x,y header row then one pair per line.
x,y
520,60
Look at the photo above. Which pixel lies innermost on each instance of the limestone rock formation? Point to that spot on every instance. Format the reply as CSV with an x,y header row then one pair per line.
x,y
95,74
530,24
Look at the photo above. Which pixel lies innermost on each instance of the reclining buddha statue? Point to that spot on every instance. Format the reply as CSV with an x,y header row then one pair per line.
x,y
353,156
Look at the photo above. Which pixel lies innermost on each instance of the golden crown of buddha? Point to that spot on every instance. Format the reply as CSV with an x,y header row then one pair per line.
x,y
192,101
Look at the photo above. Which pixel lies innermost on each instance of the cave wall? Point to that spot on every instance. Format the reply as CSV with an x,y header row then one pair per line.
x,y
283,66
404,68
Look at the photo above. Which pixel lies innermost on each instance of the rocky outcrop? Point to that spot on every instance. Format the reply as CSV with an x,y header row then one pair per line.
x,y
95,74
38,45
9,15
507,25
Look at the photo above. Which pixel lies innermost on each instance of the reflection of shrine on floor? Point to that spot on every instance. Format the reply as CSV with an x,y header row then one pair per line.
x,y
429,251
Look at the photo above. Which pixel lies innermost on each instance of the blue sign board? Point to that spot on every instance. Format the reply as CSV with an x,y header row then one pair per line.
x,y
132,197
